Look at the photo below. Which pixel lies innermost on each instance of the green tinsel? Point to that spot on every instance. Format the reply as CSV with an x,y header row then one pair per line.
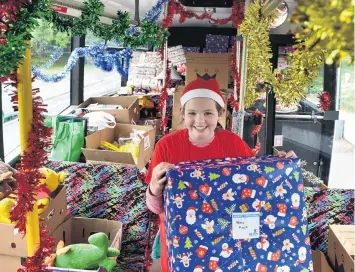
x,y
19,30
151,33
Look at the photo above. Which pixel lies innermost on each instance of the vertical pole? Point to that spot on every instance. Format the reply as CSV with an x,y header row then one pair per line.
x,y
2,153
243,78
24,89
165,63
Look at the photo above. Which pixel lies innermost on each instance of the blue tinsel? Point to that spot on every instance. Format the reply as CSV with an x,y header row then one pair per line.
x,y
106,62
55,53
151,15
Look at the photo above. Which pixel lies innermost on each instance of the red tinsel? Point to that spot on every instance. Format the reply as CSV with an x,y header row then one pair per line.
x,y
257,115
235,74
34,263
176,7
7,14
325,100
28,178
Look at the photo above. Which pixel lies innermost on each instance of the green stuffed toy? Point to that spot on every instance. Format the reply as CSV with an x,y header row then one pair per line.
x,y
85,256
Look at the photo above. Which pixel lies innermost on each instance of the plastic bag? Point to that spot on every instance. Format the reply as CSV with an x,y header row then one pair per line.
x,y
100,120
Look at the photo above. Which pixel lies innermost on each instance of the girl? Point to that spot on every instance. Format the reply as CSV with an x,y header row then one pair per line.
x,y
202,106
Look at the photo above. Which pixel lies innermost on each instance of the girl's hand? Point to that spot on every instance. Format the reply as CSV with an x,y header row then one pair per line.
x,y
156,184
291,154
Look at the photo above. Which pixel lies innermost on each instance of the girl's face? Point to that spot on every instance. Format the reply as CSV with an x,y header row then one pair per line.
x,y
201,118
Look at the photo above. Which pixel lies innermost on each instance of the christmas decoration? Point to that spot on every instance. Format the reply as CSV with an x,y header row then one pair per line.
x,y
255,28
227,236
150,32
327,25
258,120
325,100
101,60
289,86
17,20
28,177
175,7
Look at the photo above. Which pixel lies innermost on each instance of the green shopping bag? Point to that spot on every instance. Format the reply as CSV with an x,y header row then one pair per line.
x,y
68,138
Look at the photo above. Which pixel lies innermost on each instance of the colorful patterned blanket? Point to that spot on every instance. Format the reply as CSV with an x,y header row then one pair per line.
x,y
113,192
326,207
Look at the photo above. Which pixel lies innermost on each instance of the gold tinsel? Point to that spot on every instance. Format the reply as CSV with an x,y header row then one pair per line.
x,y
290,86
327,25
255,28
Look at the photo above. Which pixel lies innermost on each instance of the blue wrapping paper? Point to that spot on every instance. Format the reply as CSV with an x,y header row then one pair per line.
x,y
218,43
264,195
192,49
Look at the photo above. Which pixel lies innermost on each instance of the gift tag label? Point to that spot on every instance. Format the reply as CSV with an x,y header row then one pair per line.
x,y
146,142
246,225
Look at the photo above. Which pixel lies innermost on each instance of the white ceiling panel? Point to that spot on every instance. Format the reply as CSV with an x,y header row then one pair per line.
x,y
111,7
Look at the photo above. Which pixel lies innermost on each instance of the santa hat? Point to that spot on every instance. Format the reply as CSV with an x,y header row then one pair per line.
x,y
198,268
189,209
203,86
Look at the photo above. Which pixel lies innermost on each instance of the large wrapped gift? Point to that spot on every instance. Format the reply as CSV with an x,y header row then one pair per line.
x,y
244,214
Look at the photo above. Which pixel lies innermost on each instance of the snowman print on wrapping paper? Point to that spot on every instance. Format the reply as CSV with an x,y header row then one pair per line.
x,y
226,251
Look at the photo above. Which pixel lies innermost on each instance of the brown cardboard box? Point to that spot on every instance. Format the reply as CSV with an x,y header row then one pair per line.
x,y
320,263
13,248
176,119
124,116
10,263
198,63
93,142
341,247
77,230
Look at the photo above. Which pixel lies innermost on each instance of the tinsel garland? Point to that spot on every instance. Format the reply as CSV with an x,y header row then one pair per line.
x,y
28,177
152,15
325,100
17,20
289,86
327,25
259,121
175,7
54,54
255,28
120,30
35,263
235,74
106,62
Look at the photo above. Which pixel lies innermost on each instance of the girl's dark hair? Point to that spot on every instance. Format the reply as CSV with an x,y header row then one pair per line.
x,y
219,110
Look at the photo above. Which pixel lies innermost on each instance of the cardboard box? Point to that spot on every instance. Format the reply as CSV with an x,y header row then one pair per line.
x,y
176,119
125,116
10,263
15,245
13,248
198,63
320,263
93,142
341,247
77,230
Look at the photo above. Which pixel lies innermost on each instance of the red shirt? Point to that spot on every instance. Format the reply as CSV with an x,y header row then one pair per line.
x,y
175,148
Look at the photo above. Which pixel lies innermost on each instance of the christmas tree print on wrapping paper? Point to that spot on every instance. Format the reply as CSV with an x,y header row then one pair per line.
x,y
270,188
